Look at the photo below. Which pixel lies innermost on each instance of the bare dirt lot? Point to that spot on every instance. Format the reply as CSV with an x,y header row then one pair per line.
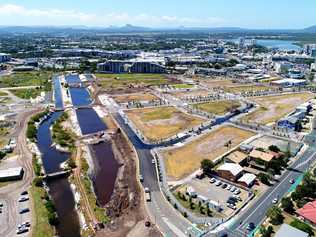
x,y
218,107
126,207
273,108
182,161
125,98
191,93
161,123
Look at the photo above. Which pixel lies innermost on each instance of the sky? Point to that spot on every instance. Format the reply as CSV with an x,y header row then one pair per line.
x,y
256,14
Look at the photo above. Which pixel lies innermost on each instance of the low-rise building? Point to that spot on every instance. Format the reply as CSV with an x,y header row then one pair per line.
x,y
247,180
230,171
289,82
237,157
4,57
11,174
308,212
289,231
260,159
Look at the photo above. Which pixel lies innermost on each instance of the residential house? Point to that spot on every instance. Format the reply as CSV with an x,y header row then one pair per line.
x,y
308,212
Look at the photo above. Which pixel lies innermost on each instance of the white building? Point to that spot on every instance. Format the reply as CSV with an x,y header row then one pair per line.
x,y
4,57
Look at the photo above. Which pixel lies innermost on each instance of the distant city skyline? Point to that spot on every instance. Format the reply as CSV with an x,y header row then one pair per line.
x,y
254,14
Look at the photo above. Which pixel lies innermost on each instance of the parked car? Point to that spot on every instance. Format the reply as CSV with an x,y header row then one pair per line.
x,y
228,187
141,178
23,199
212,180
292,181
24,210
224,185
153,161
237,191
24,193
232,189
21,230
237,197
275,201
218,183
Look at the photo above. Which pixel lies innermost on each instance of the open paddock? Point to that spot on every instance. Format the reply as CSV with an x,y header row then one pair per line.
x,y
126,81
218,107
161,122
182,161
125,98
273,108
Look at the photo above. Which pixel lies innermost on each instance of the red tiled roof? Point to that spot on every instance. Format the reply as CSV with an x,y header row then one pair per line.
x,y
308,211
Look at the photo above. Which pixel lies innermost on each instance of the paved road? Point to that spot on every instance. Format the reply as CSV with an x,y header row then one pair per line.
x,y
10,193
256,212
168,220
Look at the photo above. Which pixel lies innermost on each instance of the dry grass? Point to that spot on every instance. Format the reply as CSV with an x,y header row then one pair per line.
x,y
134,97
273,108
192,93
218,107
211,83
163,122
184,160
245,88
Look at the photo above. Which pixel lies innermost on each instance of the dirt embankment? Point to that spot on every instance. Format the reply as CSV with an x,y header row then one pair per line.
x,y
126,208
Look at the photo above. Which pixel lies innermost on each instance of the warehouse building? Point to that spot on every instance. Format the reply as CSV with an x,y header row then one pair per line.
x,y
11,174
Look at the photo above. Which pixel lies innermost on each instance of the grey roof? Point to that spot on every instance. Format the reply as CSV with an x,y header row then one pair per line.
x,y
287,230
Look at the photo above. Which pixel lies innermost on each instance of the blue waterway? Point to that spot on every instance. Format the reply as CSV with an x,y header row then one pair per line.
x,y
89,121
72,78
57,94
79,96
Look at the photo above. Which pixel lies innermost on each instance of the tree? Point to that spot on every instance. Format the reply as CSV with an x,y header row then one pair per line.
x,y
274,148
264,178
275,215
302,226
38,181
287,205
266,232
207,166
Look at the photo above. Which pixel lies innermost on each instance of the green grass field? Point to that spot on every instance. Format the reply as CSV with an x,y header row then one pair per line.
x,y
26,93
27,79
41,227
117,81
182,86
218,107
2,93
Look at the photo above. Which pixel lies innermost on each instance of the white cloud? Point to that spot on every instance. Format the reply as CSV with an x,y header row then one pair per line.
x,y
11,14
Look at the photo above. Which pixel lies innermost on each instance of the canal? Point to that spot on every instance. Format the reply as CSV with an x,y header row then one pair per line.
x,y
59,189
105,167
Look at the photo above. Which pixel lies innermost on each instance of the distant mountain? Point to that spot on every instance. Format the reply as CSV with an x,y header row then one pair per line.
x,y
140,29
311,29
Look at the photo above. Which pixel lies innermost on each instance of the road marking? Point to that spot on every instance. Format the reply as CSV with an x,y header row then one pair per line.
x,y
276,187
175,229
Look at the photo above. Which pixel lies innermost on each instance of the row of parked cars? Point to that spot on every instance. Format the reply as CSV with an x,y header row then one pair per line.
x,y
24,227
226,186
